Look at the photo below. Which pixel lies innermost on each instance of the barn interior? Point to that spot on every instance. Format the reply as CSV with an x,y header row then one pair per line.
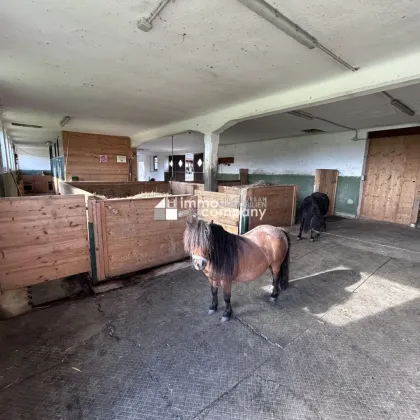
x,y
108,109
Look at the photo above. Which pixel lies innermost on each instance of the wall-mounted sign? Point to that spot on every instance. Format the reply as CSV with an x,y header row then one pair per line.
x,y
121,159
103,158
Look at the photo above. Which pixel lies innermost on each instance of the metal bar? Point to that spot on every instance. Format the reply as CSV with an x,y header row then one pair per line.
x,y
282,22
336,124
336,57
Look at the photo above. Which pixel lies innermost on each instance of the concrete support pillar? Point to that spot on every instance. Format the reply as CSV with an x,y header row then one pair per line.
x,y
211,146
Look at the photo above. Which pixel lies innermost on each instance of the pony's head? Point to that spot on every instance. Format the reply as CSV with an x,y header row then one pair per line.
x,y
211,246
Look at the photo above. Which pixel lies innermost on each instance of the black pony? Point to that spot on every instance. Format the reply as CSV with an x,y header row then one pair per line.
x,y
313,213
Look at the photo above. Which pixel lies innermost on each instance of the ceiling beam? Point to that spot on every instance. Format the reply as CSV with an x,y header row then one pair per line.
x,y
390,74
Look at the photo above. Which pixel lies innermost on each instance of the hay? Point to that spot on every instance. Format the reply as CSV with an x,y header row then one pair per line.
x,y
151,194
259,184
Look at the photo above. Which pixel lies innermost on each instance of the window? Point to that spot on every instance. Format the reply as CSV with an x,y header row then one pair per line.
x,y
155,163
4,151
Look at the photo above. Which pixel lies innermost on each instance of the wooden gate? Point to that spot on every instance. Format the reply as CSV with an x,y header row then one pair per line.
x,y
326,182
42,238
392,180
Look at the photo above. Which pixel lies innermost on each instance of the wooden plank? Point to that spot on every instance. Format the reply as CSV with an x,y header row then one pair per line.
x,y
132,240
229,189
326,182
42,239
279,203
99,249
243,176
82,151
391,177
221,208
178,187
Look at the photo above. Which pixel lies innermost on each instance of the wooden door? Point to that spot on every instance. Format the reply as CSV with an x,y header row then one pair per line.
x,y
326,182
391,179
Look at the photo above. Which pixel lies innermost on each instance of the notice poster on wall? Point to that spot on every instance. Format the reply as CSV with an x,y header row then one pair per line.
x,y
121,159
103,158
189,167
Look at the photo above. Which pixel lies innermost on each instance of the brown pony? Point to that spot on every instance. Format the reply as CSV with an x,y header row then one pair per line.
x,y
224,257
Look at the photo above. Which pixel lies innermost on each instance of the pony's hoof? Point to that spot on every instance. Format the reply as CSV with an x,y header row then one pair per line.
x,y
298,238
312,240
273,299
224,319
212,311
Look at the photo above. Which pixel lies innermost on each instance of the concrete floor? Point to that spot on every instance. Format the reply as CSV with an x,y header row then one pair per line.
x,y
341,343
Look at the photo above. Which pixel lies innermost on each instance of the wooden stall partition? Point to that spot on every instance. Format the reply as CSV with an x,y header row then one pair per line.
x,y
178,187
326,182
42,238
231,183
116,189
272,205
128,238
67,188
43,184
37,184
228,189
222,208
97,157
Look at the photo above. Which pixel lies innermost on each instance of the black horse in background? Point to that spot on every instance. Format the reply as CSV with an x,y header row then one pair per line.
x,y
313,213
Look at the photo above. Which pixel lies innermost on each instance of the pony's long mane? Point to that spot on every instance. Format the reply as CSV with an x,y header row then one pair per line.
x,y
221,248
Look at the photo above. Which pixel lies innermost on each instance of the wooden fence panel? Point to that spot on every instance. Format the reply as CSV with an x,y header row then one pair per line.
x,y
129,239
279,203
222,208
326,182
178,187
41,239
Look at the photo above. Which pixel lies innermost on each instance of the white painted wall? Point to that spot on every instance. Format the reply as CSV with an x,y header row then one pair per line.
x,y
297,155
147,159
33,158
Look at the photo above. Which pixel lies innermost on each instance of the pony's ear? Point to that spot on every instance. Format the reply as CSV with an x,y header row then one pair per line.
x,y
211,222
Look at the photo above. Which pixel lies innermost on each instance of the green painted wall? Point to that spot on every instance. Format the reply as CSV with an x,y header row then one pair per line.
x,y
304,182
228,177
347,188
347,198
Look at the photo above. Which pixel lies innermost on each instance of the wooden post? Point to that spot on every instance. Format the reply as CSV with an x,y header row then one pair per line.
x,y
243,176
326,182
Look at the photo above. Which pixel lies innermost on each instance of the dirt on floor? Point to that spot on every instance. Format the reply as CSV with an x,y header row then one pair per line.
x,y
342,342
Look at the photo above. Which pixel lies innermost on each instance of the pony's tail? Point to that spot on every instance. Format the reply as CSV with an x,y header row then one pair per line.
x,y
284,268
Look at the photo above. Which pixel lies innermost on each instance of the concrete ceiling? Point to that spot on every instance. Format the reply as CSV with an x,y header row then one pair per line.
x,y
89,60
365,112
189,142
